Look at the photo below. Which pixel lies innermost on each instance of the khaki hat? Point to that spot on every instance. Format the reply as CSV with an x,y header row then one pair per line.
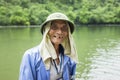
x,y
57,16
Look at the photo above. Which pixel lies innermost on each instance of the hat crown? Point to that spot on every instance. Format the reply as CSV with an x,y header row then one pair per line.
x,y
56,16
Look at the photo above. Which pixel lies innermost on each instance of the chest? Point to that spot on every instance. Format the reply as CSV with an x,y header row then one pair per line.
x,y
44,74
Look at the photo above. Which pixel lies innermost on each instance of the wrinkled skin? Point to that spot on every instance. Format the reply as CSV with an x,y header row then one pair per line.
x,y
58,31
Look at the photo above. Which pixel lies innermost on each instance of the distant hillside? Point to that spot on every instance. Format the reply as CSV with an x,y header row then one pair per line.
x,y
34,12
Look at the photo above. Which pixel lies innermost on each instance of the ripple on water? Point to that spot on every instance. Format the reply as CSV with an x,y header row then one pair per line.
x,y
105,66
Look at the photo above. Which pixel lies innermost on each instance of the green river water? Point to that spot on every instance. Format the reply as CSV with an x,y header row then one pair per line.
x,y
98,51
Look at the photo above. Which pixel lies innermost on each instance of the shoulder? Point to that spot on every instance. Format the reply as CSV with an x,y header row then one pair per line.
x,y
32,51
32,54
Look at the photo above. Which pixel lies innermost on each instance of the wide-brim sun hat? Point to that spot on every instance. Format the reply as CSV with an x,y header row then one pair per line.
x,y
57,16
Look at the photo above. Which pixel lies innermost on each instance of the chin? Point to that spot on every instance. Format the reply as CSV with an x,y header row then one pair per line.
x,y
57,43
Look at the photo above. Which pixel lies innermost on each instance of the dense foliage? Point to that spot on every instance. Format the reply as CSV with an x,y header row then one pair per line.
x,y
34,12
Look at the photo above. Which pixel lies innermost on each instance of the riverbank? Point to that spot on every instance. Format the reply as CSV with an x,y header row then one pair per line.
x,y
99,25
24,26
19,26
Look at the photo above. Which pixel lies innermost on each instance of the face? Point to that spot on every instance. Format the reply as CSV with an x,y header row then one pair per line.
x,y
58,31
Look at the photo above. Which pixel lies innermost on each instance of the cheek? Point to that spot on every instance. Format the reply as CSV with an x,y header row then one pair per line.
x,y
65,34
50,33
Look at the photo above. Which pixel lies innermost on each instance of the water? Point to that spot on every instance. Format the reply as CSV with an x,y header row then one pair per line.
x,y
98,50
99,53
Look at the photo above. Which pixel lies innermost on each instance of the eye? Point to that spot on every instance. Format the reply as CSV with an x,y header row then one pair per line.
x,y
53,27
64,28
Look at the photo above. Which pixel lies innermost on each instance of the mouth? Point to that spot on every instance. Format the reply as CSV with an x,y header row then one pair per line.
x,y
58,37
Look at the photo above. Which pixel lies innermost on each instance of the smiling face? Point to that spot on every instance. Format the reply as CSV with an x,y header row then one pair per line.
x,y
58,31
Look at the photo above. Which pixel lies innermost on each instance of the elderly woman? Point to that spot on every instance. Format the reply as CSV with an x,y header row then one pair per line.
x,y
55,58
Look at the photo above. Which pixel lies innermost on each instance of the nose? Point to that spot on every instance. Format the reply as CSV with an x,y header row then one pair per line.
x,y
59,31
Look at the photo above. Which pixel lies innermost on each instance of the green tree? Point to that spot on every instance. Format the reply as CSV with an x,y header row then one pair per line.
x,y
19,16
4,15
33,12
37,14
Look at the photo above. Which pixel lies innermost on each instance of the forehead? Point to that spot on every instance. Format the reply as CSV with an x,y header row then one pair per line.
x,y
59,22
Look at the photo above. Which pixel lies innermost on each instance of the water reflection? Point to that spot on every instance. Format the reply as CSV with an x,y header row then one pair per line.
x,y
105,66
99,53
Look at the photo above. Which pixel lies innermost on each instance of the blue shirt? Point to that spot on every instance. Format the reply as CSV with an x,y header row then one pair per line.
x,y
33,68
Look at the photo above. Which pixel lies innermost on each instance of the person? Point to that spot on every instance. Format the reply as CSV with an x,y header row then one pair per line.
x,y
55,58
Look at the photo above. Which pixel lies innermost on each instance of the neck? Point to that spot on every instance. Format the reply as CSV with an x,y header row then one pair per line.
x,y
56,46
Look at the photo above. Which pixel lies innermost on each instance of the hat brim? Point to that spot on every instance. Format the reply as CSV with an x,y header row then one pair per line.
x,y
71,25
